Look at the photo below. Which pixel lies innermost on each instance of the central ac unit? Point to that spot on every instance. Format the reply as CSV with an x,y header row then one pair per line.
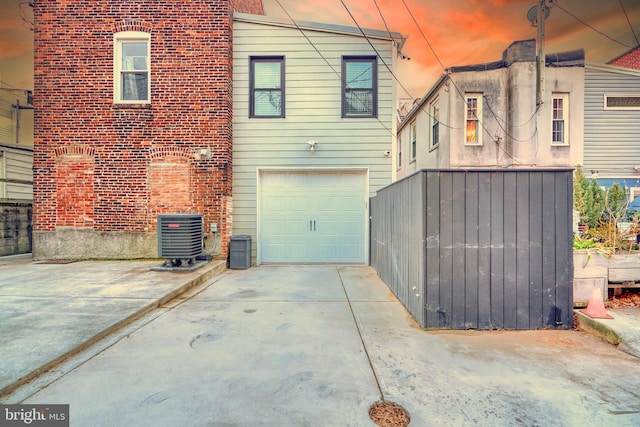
x,y
180,238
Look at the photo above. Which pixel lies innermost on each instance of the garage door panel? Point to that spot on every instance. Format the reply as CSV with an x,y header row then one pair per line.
x,y
287,252
326,210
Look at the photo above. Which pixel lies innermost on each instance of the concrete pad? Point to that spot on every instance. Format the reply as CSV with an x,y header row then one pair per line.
x,y
225,359
317,345
50,311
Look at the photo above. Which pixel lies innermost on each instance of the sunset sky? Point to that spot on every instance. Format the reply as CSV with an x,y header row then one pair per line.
x,y
461,32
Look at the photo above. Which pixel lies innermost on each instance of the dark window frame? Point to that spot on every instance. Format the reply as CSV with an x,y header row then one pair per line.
x,y
373,90
253,90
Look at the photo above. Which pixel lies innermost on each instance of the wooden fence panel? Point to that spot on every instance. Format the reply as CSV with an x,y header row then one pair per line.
x,y
478,249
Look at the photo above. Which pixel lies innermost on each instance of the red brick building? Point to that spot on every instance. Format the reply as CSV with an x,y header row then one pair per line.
x,y
133,118
629,59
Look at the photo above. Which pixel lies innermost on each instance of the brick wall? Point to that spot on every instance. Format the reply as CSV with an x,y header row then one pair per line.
x,y
98,165
254,7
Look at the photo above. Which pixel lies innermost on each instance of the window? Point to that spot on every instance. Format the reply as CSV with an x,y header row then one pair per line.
x,y
560,111
266,87
399,151
622,102
132,82
434,112
472,116
413,141
359,86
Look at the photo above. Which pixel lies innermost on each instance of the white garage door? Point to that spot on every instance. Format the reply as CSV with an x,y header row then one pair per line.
x,y
312,217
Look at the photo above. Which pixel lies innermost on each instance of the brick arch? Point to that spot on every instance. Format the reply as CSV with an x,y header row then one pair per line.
x,y
75,149
132,25
178,154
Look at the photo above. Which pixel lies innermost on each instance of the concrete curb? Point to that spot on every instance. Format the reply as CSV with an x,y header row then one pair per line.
x,y
208,271
620,331
592,326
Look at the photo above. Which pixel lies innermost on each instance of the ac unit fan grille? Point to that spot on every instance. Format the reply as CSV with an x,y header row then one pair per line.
x,y
180,235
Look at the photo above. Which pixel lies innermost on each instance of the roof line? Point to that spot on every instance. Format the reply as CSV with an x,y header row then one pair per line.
x,y
613,69
427,97
318,26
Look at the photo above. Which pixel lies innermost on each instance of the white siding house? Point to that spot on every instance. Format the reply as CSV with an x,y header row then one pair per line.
x,y
314,126
16,145
612,126
486,116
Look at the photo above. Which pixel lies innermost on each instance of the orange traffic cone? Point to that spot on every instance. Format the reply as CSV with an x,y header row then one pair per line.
x,y
595,308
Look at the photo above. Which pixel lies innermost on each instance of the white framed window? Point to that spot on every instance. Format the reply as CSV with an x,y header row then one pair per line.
x,y
622,101
399,152
560,119
132,68
434,114
472,118
413,136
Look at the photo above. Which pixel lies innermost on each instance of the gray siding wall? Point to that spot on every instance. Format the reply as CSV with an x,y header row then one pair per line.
x,y
478,249
16,126
16,146
611,137
17,173
313,112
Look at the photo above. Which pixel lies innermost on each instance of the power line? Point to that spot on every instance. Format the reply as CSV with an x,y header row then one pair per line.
x,y
557,3
382,17
438,59
374,49
423,36
629,22
501,126
326,60
390,71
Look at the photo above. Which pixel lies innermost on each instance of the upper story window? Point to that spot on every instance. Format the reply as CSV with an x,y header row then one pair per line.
x,y
472,116
630,101
413,141
560,115
266,86
359,86
132,68
399,152
434,113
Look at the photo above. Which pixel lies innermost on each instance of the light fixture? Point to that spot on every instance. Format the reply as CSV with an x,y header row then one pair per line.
x,y
312,145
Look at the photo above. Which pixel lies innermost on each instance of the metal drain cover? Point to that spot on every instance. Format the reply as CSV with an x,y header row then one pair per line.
x,y
389,414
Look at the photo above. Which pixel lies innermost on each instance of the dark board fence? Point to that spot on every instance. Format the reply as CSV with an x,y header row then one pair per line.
x,y
479,249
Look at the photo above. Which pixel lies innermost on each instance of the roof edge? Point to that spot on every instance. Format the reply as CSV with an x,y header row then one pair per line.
x,y
319,26
613,69
426,98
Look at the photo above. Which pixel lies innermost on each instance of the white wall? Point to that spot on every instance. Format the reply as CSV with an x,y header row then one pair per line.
x,y
515,132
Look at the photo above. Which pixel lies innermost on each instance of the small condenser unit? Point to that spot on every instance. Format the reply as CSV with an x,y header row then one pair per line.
x,y
180,238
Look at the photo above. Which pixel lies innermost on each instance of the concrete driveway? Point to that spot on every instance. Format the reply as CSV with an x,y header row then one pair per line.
x,y
317,346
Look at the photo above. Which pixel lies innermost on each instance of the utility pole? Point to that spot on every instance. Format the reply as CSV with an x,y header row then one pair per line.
x,y
537,16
